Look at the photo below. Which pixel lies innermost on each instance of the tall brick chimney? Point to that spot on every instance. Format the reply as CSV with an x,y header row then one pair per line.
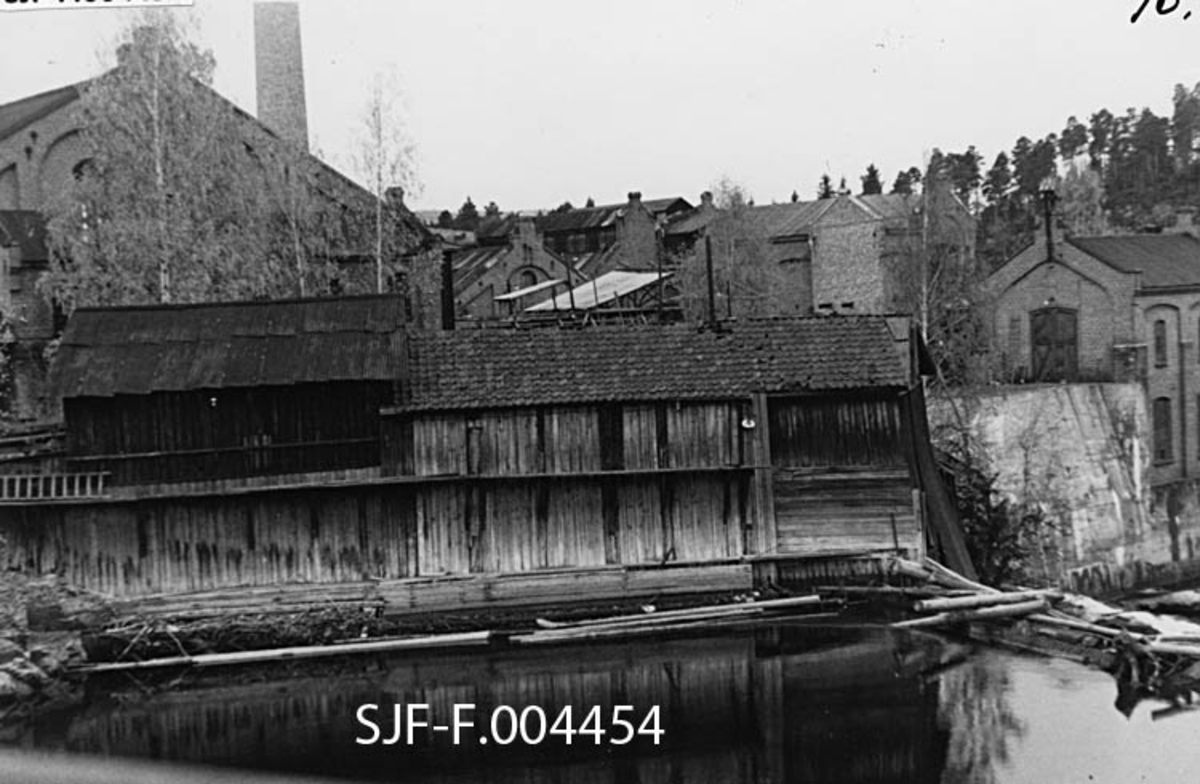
x,y
279,70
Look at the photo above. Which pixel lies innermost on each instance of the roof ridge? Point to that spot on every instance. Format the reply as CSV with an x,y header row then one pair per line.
x,y
231,303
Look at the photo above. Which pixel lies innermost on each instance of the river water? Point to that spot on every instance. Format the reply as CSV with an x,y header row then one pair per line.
x,y
772,704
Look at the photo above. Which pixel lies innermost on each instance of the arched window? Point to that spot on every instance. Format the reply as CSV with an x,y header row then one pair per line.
x,y
1163,451
83,169
1160,343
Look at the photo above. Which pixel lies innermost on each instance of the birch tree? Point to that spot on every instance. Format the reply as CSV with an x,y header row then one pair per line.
x,y
385,158
182,198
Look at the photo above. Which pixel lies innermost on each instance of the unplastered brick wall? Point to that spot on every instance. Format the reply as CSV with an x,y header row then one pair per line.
x,y
846,262
636,237
37,161
1102,297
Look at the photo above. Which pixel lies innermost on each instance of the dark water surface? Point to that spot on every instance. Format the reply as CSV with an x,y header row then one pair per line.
x,y
774,704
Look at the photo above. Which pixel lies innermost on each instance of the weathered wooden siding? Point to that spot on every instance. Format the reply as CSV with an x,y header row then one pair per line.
x,y
172,436
840,481
832,432
192,544
540,523
516,491
567,440
844,512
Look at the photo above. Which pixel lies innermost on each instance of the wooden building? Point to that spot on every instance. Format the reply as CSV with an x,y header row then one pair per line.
x,y
188,392
261,445
544,449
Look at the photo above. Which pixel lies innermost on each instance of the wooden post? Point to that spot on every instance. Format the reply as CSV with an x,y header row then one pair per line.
x,y
764,486
918,502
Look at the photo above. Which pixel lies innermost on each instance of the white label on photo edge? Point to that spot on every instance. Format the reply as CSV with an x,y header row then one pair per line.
x,y
63,5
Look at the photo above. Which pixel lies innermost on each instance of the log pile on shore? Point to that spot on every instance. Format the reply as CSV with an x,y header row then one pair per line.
x,y
1151,656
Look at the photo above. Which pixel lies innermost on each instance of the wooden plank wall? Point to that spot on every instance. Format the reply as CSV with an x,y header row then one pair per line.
x,y
844,512
195,434
840,478
508,492
353,533
189,544
568,439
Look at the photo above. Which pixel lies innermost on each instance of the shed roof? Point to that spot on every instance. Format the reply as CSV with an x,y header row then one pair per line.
x,y
1164,260
471,369
170,348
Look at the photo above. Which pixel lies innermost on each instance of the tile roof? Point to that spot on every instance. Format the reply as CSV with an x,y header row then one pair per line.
x,y
139,350
1164,260
583,218
495,368
15,115
25,229
890,206
692,221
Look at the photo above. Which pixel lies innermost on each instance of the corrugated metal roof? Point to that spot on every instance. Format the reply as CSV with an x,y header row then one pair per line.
x,y
535,288
502,368
136,351
606,288
1164,260
26,230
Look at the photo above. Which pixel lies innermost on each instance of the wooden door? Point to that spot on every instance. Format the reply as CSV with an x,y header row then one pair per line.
x,y
1054,334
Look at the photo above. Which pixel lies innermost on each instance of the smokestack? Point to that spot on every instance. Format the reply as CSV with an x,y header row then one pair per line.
x,y
448,289
279,71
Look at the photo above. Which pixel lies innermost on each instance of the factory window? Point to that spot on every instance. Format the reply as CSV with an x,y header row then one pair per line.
x,y
1160,343
1163,453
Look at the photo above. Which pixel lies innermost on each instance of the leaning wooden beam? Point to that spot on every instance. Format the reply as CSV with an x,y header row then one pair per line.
x,y
981,600
966,616
953,579
462,640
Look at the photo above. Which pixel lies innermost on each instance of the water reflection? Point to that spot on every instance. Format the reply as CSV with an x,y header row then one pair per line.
x,y
975,709
784,703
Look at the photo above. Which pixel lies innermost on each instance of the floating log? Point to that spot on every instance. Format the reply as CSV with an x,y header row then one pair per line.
x,y
590,633
980,600
693,613
1174,648
461,640
890,590
966,616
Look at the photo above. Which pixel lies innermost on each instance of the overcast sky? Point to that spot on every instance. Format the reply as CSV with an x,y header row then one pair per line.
x,y
532,102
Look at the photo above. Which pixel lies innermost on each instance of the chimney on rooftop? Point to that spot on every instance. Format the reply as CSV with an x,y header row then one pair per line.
x,y
1185,221
279,71
635,197
706,200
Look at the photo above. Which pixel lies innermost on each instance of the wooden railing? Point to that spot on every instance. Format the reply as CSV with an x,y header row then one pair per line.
x,y
51,487
230,462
